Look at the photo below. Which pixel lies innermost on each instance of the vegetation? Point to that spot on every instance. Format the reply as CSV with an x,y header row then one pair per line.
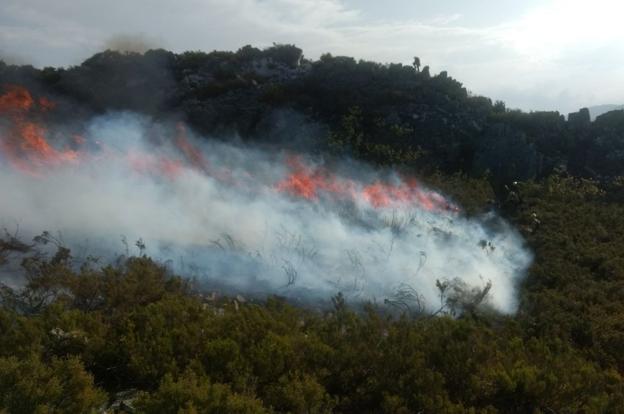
x,y
73,337
82,338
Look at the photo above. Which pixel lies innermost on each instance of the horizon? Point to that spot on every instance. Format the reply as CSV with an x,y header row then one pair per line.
x,y
536,56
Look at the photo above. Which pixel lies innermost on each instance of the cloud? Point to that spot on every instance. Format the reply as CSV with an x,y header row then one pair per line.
x,y
553,44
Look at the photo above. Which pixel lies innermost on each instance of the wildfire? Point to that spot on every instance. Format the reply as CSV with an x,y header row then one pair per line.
x,y
149,164
309,182
192,154
24,144
15,100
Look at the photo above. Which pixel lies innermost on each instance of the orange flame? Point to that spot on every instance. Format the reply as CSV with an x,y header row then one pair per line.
x,y
192,154
15,100
307,182
46,104
24,142
153,165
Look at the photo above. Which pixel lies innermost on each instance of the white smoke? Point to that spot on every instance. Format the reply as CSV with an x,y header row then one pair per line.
x,y
236,231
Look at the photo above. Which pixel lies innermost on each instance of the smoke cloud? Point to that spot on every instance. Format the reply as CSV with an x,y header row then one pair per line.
x,y
138,43
247,219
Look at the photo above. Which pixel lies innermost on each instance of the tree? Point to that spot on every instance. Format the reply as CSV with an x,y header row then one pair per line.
x,y
499,107
191,393
416,63
62,386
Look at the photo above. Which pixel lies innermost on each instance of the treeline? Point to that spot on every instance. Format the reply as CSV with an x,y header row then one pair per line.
x,y
384,113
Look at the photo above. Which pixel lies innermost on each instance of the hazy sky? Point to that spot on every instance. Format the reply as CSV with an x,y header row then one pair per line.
x,y
534,55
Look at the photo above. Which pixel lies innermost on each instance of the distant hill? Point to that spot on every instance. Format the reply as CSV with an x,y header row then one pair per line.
x,y
596,111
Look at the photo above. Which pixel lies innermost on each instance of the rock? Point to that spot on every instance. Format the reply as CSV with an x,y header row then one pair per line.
x,y
123,402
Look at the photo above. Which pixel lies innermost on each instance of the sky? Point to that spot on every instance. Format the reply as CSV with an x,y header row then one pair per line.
x,y
534,55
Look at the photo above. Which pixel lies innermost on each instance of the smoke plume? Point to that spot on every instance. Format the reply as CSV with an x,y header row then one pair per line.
x,y
243,218
137,43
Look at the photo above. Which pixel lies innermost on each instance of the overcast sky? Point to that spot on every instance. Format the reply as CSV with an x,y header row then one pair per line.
x,y
534,55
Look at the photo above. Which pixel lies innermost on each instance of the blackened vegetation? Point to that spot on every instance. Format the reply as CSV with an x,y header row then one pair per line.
x,y
80,336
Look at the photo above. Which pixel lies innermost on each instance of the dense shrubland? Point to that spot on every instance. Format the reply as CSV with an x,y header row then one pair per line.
x,y
76,337
82,336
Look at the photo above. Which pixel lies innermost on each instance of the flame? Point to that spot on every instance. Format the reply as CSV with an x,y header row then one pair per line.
x,y
46,104
15,100
24,141
154,165
308,182
24,144
192,154
407,192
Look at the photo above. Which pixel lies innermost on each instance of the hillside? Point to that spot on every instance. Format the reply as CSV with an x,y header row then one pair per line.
x,y
596,111
402,113
130,335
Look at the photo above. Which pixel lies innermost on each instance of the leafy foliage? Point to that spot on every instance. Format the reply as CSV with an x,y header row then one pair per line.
x,y
135,326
